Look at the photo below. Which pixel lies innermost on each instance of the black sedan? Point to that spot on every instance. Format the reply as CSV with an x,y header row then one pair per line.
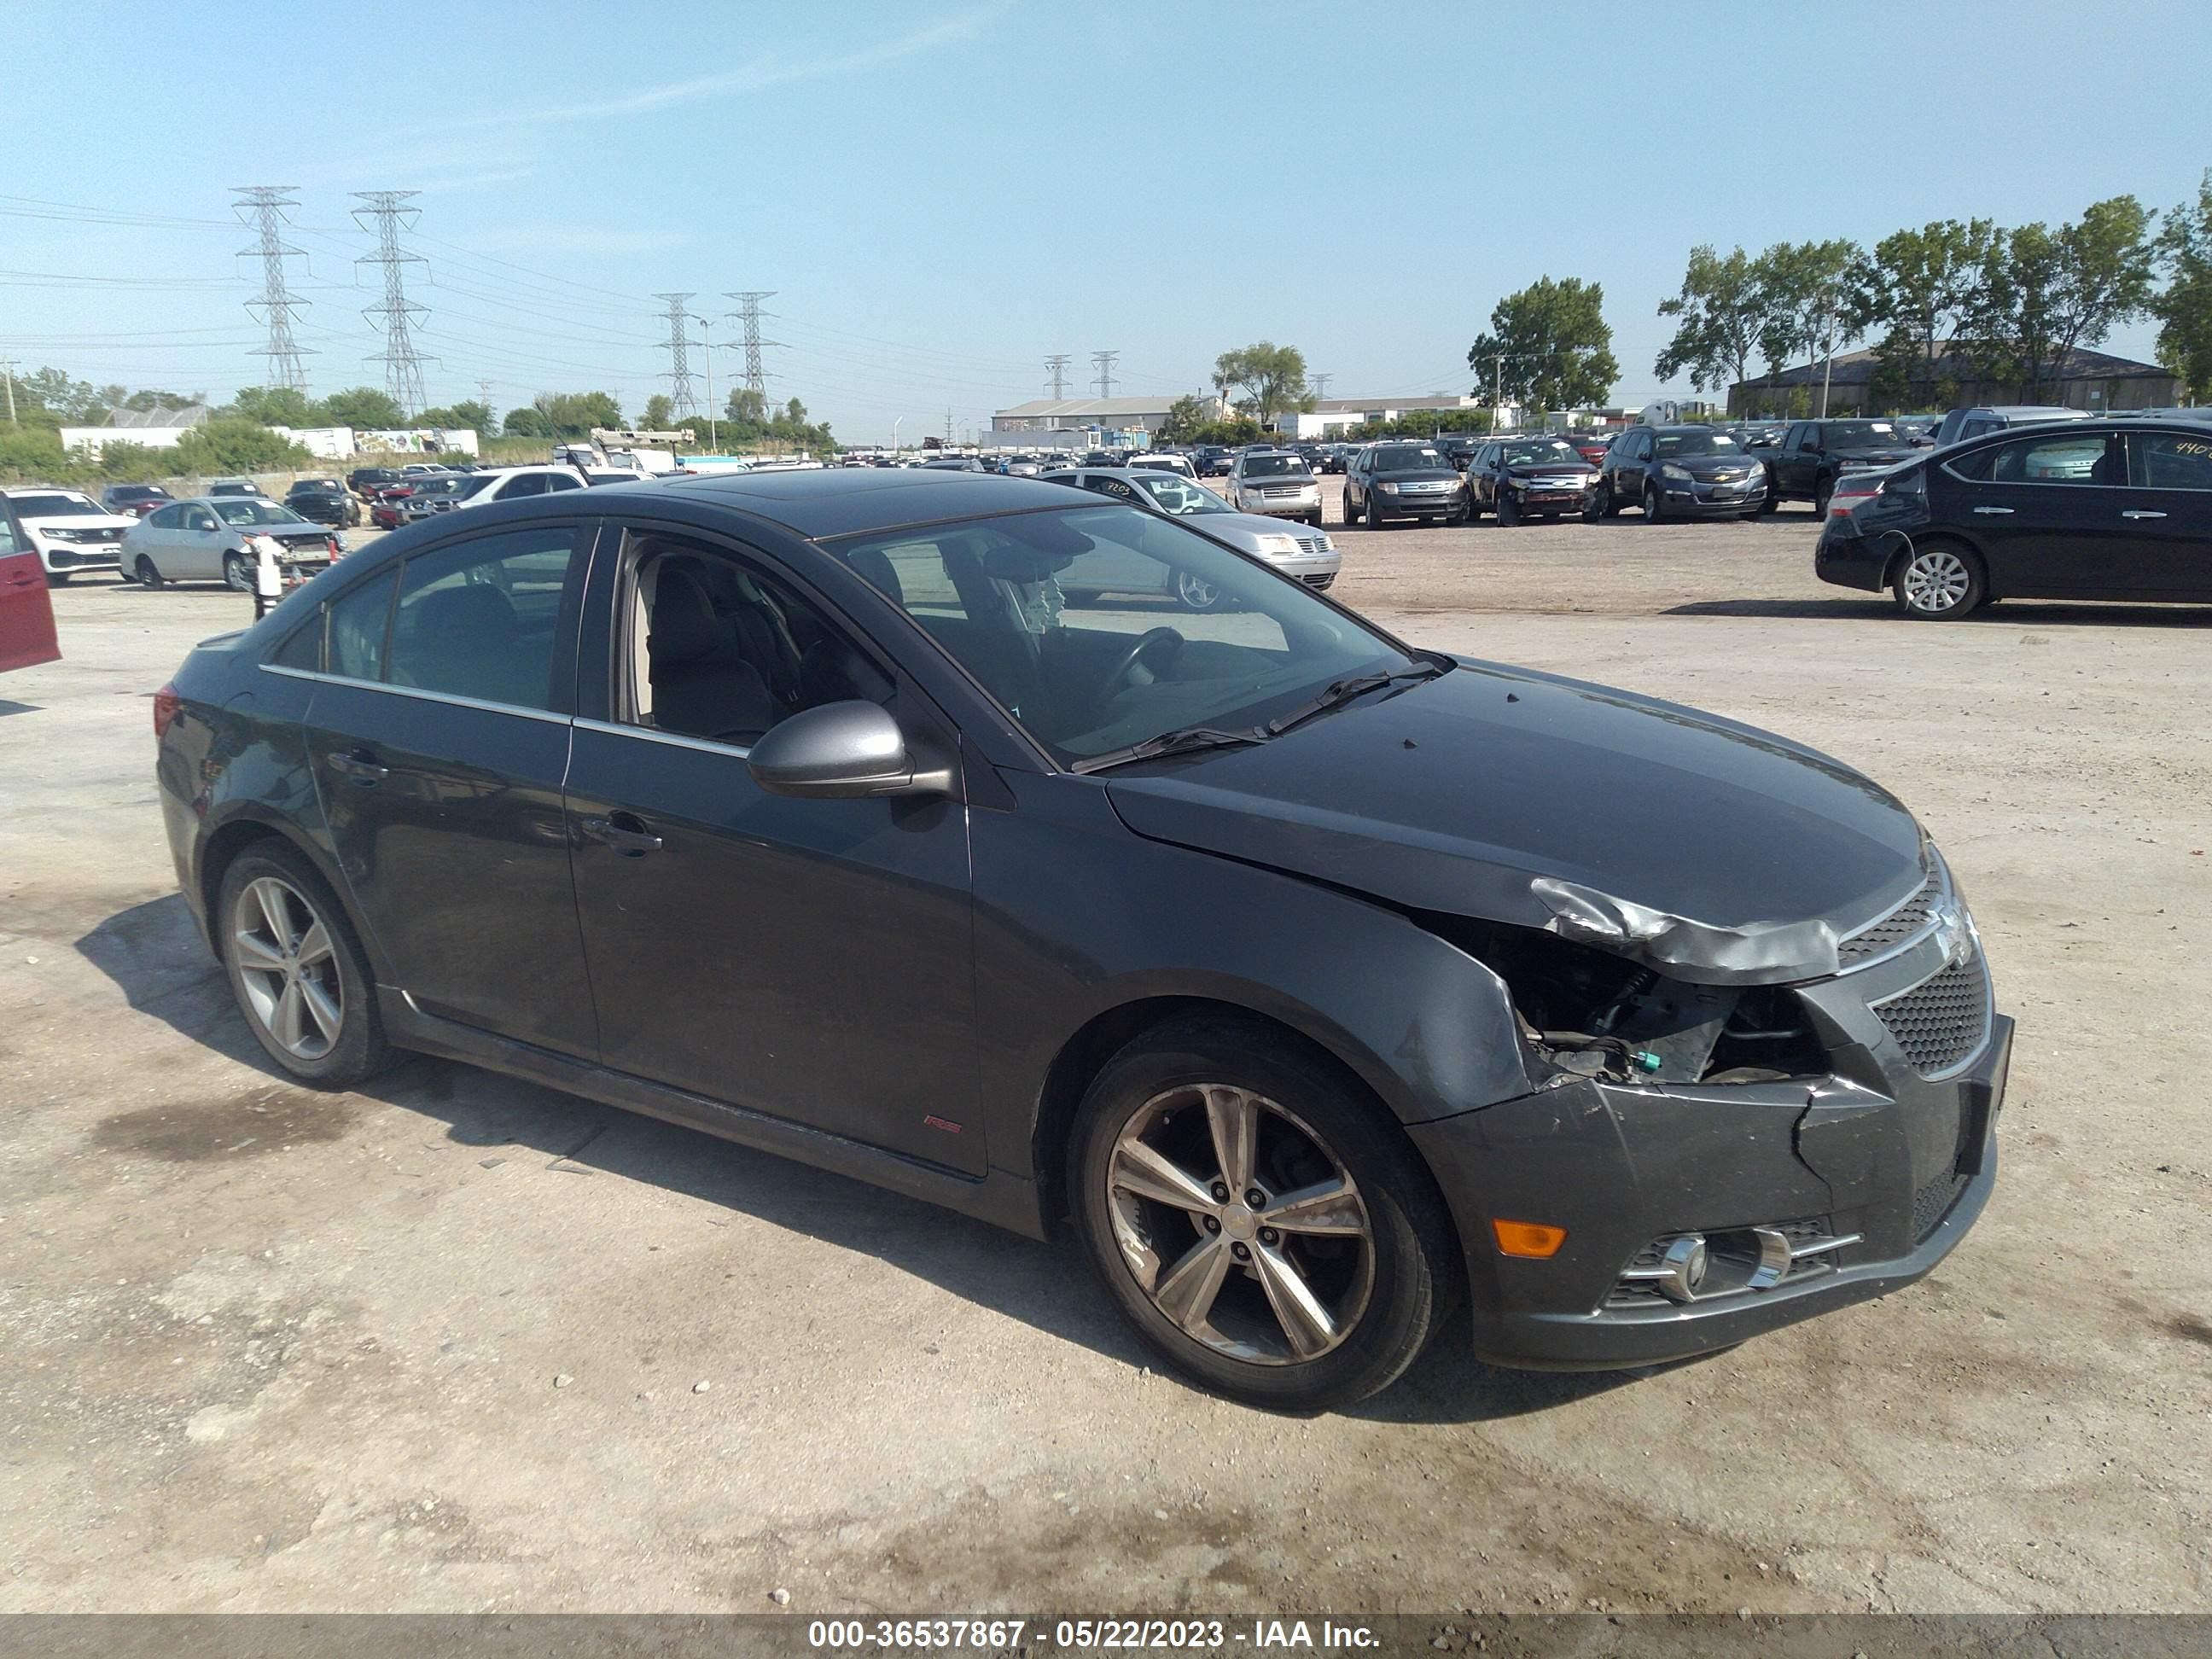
x,y
1395,482
2089,510
325,500
1523,478
1680,472
1303,969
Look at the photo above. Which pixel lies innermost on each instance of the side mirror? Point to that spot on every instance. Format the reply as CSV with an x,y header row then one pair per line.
x,y
841,752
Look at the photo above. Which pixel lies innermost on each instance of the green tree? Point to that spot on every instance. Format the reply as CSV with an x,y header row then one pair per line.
x,y
1807,289
469,417
32,453
363,408
50,398
1549,346
574,414
746,405
2104,270
659,413
1918,288
528,421
150,399
279,406
1186,416
1720,306
1263,380
2040,294
228,444
2185,309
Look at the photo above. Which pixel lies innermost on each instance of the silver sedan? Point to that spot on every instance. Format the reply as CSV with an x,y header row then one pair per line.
x,y
1305,555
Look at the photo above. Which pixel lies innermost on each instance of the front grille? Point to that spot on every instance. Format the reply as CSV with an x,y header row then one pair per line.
x,y
1313,543
1894,929
1933,1200
1941,1020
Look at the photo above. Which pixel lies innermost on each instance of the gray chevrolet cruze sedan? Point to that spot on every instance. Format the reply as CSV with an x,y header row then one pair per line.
x,y
1325,983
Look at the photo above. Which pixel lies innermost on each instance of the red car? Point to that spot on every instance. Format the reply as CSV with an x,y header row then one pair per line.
x,y
26,610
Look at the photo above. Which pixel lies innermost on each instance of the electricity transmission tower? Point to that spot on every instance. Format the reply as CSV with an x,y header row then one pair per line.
x,y
1103,363
682,400
749,314
1056,365
264,207
395,313
1319,383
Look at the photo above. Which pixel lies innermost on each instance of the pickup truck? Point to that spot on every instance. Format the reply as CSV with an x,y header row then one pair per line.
x,y
1805,465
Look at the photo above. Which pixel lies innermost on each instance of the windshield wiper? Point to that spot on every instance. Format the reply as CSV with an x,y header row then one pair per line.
x,y
1181,741
1339,692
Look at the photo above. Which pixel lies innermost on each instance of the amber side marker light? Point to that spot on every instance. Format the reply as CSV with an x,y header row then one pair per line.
x,y
1529,1238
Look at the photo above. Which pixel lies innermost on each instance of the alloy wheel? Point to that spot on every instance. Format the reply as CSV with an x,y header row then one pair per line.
x,y
236,574
1195,592
287,965
1935,580
1240,1225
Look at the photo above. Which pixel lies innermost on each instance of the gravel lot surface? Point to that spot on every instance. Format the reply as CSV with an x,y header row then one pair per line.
x,y
460,1343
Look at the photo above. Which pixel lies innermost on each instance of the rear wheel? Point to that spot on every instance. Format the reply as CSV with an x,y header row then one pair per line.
x,y
300,975
1938,582
147,574
1264,1226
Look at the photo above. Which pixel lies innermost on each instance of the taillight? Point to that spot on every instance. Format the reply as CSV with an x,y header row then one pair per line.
x,y
167,705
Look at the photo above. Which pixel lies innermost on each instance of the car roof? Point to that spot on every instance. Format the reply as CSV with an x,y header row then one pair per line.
x,y
835,501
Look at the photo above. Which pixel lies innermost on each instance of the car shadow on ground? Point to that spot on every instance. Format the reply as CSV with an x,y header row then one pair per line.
x,y
7,708
154,952
2023,613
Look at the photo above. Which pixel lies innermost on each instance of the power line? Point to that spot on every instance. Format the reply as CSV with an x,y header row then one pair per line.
x,y
749,314
1103,363
265,206
682,399
1056,365
395,313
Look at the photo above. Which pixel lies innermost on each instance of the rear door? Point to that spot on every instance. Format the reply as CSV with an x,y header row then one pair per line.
x,y
2166,515
438,736
26,609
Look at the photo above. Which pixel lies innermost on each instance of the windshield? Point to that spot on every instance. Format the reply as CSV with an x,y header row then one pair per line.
x,y
1696,443
1179,495
57,507
316,487
1865,435
252,509
1542,451
1405,458
1273,467
1058,616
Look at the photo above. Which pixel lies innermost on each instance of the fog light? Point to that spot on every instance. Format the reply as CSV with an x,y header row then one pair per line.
x,y
1528,1238
1683,1267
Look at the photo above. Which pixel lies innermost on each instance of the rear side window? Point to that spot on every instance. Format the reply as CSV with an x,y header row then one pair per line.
x,y
479,619
304,649
359,623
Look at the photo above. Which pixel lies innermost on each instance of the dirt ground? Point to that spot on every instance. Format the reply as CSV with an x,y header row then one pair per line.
x,y
462,1344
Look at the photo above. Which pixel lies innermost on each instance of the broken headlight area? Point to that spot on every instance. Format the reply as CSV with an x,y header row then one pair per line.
x,y
1587,1013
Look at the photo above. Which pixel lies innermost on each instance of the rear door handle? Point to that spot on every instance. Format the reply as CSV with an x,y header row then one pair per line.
x,y
2141,512
625,832
363,769
2005,510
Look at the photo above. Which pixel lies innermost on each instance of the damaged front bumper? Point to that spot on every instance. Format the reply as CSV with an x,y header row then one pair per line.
x,y
1853,1184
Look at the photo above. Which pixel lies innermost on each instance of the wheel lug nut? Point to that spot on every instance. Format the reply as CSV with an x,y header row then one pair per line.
x,y
1255,1198
1220,1192
1213,1223
1269,1236
1239,1252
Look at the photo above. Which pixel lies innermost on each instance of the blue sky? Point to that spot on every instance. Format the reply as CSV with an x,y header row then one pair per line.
x,y
942,195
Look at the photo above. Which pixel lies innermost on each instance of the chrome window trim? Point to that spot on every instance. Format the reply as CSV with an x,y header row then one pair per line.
x,y
676,740
456,701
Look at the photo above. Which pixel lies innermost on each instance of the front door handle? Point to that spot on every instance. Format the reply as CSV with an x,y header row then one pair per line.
x,y
2005,510
625,832
2141,512
362,768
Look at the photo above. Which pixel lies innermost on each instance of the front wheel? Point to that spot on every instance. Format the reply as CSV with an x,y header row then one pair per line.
x,y
1941,583
300,975
1655,507
1351,513
1266,1229
58,579
237,575
1594,506
1509,511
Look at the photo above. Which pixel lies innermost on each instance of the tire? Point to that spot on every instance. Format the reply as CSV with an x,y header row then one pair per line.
x,y
146,574
1315,521
1822,492
58,578
307,993
237,575
1383,1287
1509,511
1941,582
1599,506
1654,505
1772,503
1192,593
1350,517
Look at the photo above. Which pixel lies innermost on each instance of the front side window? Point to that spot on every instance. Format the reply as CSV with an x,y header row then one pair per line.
x,y
992,594
715,649
2173,461
201,519
479,619
359,624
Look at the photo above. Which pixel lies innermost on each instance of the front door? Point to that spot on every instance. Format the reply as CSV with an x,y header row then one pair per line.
x,y
438,735
808,959
2166,514
195,549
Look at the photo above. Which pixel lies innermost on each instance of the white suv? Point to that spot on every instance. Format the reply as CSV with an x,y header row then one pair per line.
x,y
507,483
69,531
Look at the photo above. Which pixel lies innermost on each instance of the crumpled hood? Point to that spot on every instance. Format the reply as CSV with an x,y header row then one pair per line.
x,y
1714,852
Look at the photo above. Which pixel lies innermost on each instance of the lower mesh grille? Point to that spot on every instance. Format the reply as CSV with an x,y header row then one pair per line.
x,y
1941,1020
1933,1201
